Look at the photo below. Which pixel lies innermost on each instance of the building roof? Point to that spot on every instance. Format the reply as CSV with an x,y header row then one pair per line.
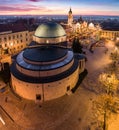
x,y
19,27
50,30
30,79
111,28
70,11
44,53
36,67
110,25
80,20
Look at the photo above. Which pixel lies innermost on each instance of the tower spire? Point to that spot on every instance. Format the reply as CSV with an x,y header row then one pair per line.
x,y
70,11
70,17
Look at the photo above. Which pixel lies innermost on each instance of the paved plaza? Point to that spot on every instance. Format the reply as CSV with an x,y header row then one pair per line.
x,y
70,112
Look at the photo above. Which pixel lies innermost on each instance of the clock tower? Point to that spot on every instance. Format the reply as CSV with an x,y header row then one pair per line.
x,y
70,18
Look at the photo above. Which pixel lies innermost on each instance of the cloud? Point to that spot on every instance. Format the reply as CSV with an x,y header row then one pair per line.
x,y
20,7
34,0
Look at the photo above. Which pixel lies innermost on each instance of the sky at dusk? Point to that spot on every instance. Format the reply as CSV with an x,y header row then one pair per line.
x,y
61,7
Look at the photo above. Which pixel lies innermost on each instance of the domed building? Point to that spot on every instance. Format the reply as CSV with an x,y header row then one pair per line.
x,y
50,33
45,71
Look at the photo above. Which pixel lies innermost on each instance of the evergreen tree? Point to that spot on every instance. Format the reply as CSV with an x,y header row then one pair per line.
x,y
76,46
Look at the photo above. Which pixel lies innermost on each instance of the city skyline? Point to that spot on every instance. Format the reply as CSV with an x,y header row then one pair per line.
x,y
59,7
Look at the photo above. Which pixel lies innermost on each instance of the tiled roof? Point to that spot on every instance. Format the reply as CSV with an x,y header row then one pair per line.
x,y
112,26
13,27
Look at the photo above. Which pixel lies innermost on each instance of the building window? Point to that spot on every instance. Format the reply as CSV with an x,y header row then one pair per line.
x,y
5,45
5,38
38,96
9,38
68,88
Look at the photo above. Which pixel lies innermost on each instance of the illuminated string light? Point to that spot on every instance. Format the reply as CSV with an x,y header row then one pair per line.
x,y
3,122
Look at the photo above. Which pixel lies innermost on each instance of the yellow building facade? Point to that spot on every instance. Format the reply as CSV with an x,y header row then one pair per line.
x,y
12,42
112,35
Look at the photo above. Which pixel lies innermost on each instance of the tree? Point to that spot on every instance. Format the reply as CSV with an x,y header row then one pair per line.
x,y
76,46
107,103
104,107
109,83
114,56
112,67
6,73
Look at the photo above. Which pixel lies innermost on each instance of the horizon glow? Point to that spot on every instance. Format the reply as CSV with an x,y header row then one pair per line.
x,y
59,7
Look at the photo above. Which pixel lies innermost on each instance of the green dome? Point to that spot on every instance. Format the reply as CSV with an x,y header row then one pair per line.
x,y
49,30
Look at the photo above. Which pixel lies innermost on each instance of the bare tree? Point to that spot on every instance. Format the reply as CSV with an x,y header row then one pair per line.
x,y
114,56
112,67
109,83
107,103
104,107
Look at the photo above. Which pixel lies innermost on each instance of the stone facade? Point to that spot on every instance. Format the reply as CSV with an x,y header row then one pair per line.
x,y
45,91
15,42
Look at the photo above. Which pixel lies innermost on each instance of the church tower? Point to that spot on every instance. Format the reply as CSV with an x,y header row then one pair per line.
x,y
70,18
